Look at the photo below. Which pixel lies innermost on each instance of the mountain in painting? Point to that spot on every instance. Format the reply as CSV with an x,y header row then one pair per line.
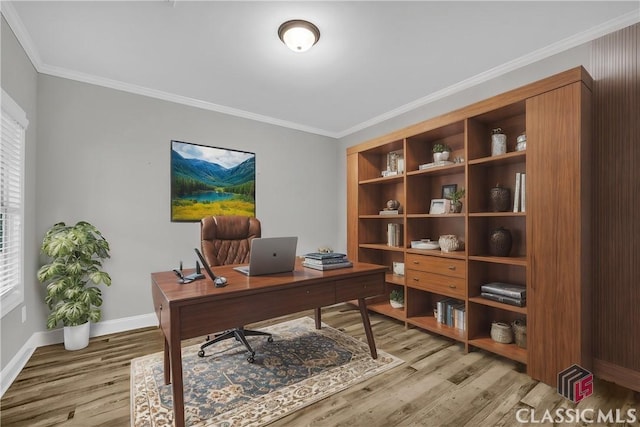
x,y
211,174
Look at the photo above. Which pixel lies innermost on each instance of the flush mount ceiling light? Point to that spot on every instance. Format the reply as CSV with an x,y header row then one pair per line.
x,y
299,35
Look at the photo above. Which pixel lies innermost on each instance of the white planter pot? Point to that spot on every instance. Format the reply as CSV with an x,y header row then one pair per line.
x,y
396,304
76,337
440,157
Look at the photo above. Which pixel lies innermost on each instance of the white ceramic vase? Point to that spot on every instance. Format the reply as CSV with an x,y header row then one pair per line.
x,y
76,337
449,243
498,144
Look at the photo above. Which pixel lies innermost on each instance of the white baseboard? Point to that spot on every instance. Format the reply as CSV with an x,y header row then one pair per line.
x,y
43,338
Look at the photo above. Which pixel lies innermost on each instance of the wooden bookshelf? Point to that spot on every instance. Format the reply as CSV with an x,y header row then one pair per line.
x,y
547,244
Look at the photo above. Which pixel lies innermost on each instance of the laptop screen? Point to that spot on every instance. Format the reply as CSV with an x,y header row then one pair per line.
x,y
271,255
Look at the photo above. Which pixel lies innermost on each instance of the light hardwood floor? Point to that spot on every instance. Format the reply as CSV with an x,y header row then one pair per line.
x,y
439,384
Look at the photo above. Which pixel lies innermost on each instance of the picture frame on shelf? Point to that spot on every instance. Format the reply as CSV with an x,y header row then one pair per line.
x,y
448,190
395,164
439,206
398,268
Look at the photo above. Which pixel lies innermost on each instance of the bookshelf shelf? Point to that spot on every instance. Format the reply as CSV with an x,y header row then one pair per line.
x,y
498,214
394,278
439,170
503,159
437,253
487,302
510,351
386,309
383,180
431,324
381,247
519,261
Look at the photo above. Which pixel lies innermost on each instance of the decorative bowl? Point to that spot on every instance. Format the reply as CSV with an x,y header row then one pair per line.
x,y
449,242
424,244
431,244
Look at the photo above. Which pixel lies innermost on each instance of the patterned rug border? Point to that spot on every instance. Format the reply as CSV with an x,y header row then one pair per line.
x,y
272,406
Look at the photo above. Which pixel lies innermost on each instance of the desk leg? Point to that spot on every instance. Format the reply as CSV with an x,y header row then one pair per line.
x,y
318,313
176,377
367,327
167,363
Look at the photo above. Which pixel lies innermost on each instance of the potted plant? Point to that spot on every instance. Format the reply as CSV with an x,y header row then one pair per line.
x,y
440,152
71,277
396,298
456,204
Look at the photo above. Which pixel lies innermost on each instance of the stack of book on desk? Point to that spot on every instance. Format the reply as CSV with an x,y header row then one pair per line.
x,y
326,261
505,292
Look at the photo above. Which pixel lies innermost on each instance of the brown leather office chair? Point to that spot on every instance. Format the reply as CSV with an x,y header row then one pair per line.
x,y
227,240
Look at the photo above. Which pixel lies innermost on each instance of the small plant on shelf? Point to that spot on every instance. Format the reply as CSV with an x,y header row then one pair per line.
x,y
441,148
440,152
456,204
396,298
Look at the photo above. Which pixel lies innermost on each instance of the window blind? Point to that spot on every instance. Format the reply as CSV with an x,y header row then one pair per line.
x,y
13,125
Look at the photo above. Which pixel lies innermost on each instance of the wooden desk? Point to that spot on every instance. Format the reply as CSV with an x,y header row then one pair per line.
x,y
199,308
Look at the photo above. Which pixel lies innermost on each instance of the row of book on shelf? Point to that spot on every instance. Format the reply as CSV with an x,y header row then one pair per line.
x,y
506,293
519,196
451,312
326,261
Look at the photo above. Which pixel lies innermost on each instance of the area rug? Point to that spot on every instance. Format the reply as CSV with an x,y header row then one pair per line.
x,y
301,366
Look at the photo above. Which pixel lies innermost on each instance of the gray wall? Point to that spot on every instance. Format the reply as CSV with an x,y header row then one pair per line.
x,y
103,157
19,80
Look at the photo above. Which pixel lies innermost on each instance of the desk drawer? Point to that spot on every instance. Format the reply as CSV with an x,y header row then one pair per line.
x,y
224,313
296,298
438,265
443,285
359,287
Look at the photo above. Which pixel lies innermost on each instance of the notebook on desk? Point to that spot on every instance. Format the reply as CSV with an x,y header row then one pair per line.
x,y
270,255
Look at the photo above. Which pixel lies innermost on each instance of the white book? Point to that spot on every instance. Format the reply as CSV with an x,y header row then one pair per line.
x,y
516,197
522,193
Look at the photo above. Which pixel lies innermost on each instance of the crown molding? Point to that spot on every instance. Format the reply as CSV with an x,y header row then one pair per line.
x,y
603,29
178,99
593,33
21,33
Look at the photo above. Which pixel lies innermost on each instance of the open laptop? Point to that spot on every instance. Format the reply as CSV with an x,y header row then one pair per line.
x,y
270,255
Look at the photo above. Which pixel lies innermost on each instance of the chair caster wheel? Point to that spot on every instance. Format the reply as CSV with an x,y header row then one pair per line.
x,y
270,339
250,359
201,353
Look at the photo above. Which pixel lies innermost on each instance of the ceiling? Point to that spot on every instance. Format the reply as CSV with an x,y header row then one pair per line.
x,y
374,60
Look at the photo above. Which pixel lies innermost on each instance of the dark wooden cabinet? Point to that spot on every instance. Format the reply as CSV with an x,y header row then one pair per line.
x,y
559,225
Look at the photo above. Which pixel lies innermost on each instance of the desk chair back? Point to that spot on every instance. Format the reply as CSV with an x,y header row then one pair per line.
x,y
227,239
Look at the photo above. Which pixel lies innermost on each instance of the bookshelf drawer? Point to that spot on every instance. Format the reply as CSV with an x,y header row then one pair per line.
x,y
437,283
359,287
431,264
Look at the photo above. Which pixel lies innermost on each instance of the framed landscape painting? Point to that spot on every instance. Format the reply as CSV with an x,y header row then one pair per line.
x,y
209,181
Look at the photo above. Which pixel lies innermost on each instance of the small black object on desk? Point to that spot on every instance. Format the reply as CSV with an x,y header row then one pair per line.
x,y
182,279
218,281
